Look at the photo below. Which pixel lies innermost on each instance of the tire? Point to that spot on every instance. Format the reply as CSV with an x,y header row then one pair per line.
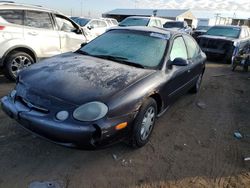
x,y
196,87
144,124
15,62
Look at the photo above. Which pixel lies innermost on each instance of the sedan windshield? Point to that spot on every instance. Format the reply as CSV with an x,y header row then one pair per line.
x,y
82,21
232,32
173,25
134,22
134,48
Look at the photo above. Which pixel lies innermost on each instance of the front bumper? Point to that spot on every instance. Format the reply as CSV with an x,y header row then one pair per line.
x,y
69,133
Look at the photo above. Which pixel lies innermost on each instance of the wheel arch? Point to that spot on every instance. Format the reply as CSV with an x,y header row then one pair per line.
x,y
20,48
159,102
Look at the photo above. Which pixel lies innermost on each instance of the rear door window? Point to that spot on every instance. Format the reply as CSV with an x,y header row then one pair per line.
x,y
13,16
38,20
192,47
179,49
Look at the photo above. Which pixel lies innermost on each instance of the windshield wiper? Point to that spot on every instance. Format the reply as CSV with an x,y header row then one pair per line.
x,y
118,59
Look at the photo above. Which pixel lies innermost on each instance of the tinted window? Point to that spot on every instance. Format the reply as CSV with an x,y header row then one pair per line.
x,y
232,32
178,49
192,47
38,20
134,22
82,21
173,25
64,24
12,16
137,47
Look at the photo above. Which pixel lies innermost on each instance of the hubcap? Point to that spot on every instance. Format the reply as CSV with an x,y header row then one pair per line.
x,y
19,63
147,123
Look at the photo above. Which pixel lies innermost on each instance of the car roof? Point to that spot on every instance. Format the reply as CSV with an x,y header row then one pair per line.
x,y
163,31
142,17
20,6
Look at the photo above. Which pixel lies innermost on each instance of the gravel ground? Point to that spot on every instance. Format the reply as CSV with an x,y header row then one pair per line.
x,y
192,145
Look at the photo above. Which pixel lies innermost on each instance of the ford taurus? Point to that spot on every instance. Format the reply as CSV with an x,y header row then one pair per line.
x,y
111,89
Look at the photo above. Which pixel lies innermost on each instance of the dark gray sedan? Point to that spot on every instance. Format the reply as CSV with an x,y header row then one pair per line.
x,y
111,89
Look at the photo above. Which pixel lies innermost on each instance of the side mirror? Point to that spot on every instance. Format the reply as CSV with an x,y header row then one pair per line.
x,y
79,31
179,62
90,27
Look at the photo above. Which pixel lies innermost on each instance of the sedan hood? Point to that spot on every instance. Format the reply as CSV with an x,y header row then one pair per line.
x,y
77,79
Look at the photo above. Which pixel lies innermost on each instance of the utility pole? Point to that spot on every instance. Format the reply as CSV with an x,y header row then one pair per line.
x,y
217,15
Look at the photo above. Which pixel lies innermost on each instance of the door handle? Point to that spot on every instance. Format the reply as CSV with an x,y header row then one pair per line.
x,y
189,70
33,33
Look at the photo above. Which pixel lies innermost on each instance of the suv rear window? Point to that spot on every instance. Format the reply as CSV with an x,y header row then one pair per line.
x,y
12,16
38,20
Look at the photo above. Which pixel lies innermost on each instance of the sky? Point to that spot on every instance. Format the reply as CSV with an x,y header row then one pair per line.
x,y
94,8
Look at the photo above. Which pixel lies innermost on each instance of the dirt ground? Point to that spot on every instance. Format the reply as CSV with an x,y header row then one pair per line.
x,y
192,145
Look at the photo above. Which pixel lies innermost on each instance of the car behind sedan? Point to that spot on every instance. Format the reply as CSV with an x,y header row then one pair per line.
x,y
225,41
180,26
111,89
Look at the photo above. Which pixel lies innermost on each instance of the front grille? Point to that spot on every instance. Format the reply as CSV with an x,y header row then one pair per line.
x,y
32,106
216,44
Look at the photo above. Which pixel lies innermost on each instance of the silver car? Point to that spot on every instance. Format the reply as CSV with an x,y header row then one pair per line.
x,y
30,33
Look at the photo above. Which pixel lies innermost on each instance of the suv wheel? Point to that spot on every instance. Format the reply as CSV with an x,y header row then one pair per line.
x,y
15,62
144,123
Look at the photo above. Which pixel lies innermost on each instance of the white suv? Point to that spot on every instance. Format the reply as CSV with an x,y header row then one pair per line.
x,y
29,33
142,21
92,27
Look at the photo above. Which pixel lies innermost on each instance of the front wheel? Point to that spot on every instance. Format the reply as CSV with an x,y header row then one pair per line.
x,y
144,123
16,62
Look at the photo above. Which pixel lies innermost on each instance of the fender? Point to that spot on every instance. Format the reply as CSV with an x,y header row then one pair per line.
x,y
16,47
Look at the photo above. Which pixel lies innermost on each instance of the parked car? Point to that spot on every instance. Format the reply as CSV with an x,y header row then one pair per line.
x,y
92,27
142,21
111,22
200,30
30,33
180,26
224,41
112,88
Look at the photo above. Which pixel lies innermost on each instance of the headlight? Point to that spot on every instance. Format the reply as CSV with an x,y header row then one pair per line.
x,y
90,112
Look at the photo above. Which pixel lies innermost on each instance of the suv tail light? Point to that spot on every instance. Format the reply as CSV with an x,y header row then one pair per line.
x,y
2,27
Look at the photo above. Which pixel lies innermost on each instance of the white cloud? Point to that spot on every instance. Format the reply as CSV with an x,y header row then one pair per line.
x,y
229,5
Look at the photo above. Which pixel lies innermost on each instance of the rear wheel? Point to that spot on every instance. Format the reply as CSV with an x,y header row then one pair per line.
x,y
15,62
144,124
